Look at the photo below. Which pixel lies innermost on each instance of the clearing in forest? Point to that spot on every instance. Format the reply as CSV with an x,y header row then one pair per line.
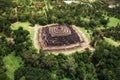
x,y
57,37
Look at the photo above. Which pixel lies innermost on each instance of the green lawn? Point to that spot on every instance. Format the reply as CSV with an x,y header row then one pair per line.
x,y
88,34
25,26
85,19
113,22
111,41
12,63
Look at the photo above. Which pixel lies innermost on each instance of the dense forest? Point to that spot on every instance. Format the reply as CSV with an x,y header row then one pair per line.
x,y
101,64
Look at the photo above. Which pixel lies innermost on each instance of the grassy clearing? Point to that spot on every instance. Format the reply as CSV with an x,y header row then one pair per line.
x,y
12,63
86,32
85,19
109,40
113,22
25,26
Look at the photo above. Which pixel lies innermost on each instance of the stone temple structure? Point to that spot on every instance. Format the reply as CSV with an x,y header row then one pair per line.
x,y
59,37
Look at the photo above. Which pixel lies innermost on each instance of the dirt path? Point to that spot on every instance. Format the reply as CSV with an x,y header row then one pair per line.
x,y
36,44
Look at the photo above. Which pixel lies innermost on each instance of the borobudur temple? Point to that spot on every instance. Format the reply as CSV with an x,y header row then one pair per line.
x,y
59,37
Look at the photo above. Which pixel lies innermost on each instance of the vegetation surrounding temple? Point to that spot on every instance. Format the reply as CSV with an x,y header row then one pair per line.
x,y
99,20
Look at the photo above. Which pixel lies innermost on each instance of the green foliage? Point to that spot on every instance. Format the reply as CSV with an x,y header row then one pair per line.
x,y
6,4
4,50
103,64
60,66
106,60
32,74
4,77
112,32
4,46
20,35
12,63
